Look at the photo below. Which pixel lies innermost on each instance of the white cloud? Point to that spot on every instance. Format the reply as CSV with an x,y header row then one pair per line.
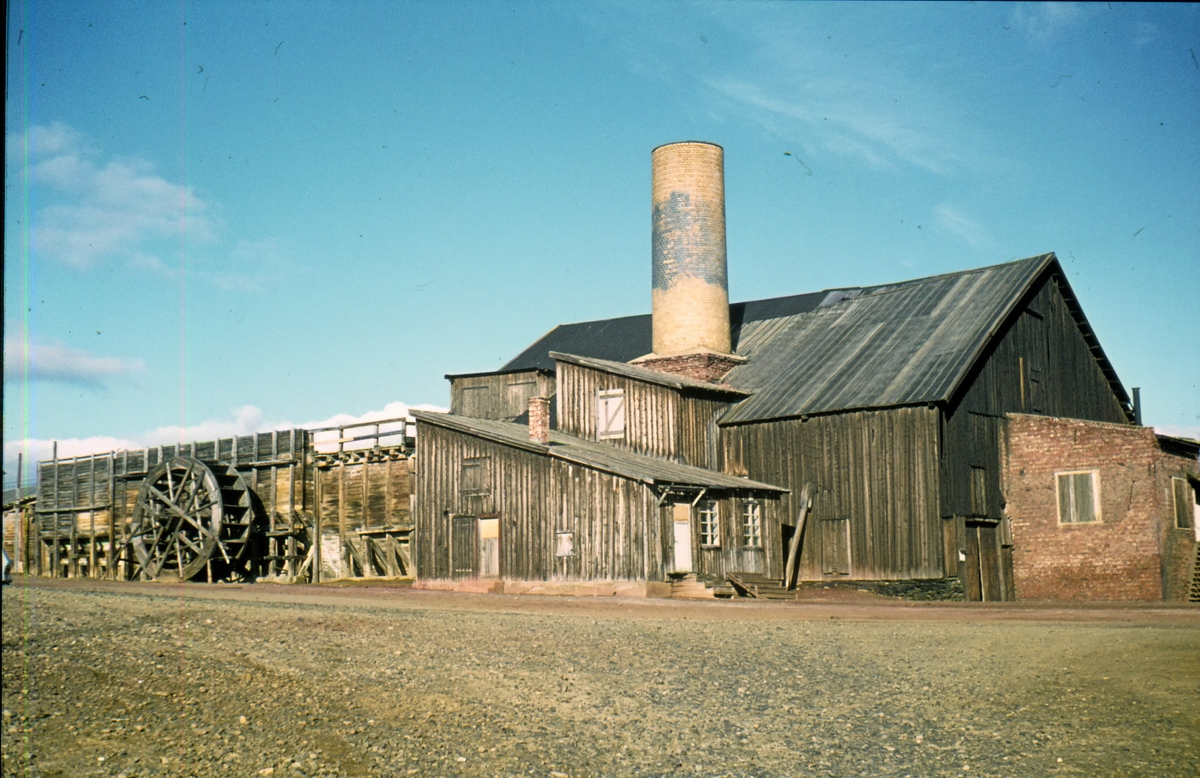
x,y
25,359
102,209
1045,22
950,220
245,420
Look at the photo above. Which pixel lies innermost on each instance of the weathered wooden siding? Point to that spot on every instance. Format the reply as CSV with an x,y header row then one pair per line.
x,y
875,475
616,523
503,397
85,504
659,420
365,493
1040,364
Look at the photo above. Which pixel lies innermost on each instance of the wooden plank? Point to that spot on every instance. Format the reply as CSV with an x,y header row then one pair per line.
x,y
790,569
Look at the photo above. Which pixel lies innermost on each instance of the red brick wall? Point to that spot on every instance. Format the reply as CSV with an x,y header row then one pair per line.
x,y
1122,556
699,366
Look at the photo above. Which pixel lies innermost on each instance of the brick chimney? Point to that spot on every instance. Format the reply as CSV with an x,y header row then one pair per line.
x,y
539,419
689,294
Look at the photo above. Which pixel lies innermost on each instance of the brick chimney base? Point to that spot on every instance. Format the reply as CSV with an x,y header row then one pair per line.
x,y
706,366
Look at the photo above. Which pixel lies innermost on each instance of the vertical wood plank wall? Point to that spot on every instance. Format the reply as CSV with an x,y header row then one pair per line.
x,y
617,524
1040,364
877,469
659,420
85,504
502,397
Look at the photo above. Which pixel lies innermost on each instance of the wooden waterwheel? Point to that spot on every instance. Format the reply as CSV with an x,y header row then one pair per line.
x,y
192,518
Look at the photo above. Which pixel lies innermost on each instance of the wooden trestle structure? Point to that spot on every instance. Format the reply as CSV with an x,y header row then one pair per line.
x,y
297,505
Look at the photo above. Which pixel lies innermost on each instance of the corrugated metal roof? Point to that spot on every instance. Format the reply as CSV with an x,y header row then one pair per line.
x,y
648,375
841,349
599,456
893,345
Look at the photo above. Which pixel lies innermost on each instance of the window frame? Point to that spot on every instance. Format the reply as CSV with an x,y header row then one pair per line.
x,y
708,523
1188,509
751,524
1097,517
602,396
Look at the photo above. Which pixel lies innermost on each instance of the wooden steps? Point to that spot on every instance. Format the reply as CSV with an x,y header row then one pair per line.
x,y
692,586
759,587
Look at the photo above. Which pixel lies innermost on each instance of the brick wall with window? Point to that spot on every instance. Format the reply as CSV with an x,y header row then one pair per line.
x,y
1092,510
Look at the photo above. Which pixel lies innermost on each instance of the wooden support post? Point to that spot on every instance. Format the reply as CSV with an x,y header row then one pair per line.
x,y
109,569
20,539
792,569
56,569
342,510
92,540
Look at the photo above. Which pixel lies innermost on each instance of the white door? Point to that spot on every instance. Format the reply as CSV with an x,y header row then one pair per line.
x,y
682,513
489,548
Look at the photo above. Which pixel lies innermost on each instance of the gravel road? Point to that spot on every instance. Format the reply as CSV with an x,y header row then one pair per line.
x,y
142,680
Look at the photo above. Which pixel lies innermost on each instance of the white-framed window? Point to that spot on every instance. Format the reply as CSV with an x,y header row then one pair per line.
x,y
610,413
1078,497
752,524
1185,503
710,524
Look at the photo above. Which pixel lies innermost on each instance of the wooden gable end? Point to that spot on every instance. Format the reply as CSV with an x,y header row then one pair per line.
x,y
1040,363
654,420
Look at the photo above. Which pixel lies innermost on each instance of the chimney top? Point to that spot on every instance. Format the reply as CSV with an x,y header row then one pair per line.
x,y
539,420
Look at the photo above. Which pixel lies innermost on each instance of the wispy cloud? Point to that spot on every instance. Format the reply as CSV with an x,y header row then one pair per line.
x,y
1045,22
27,359
102,209
245,420
952,221
1179,431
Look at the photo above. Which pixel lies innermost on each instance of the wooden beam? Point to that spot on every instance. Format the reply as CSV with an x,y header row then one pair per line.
x,y
791,569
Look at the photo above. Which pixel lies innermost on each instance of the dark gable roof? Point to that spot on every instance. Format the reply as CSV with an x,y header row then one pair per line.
x,y
907,343
598,456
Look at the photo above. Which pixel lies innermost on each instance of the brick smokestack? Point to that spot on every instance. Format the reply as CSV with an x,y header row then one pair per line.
x,y
539,419
690,293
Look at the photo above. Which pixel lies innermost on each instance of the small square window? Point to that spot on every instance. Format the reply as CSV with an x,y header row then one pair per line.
x,y
1078,497
610,413
752,524
710,526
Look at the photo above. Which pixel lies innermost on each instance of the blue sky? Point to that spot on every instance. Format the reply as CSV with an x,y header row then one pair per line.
x,y
222,217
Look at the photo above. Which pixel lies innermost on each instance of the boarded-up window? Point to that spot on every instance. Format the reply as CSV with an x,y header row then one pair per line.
x,y
565,545
610,413
835,547
752,524
710,524
475,476
1184,502
519,393
978,491
1078,497
475,401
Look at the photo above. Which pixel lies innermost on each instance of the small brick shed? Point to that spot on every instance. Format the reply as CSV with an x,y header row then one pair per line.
x,y
1099,511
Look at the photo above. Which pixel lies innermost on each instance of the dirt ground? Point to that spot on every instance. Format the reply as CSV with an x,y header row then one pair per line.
x,y
120,679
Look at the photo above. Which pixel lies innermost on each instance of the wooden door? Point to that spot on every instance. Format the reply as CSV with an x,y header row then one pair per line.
x,y
489,548
464,547
984,572
682,515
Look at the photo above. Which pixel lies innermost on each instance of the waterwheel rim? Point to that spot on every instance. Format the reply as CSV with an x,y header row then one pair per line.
x,y
177,520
